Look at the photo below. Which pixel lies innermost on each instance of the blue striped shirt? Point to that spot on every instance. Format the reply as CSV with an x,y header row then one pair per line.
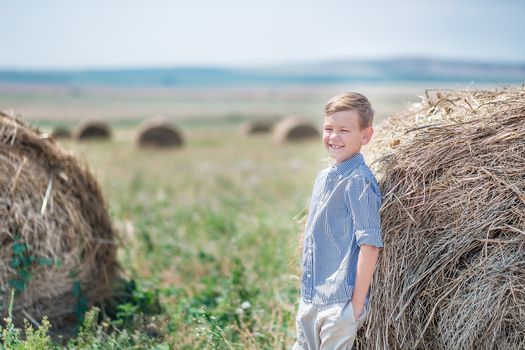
x,y
344,214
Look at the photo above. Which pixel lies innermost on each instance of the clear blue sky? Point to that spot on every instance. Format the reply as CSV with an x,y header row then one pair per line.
x,y
133,33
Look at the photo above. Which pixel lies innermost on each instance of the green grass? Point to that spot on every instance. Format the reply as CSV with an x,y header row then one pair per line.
x,y
209,233
209,236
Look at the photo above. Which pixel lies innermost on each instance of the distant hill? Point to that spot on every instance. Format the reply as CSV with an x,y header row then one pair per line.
x,y
381,71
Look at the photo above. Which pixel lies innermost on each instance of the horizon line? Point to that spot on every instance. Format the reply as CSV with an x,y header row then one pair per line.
x,y
283,64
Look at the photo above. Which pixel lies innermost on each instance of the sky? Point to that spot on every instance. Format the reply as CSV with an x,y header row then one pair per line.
x,y
81,34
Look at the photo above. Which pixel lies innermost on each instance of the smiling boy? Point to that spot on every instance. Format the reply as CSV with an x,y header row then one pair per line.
x,y
342,236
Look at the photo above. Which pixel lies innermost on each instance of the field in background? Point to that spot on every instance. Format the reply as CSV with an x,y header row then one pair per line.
x,y
215,227
69,104
211,229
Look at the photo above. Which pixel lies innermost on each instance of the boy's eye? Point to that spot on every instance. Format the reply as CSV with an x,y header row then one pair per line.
x,y
344,130
327,129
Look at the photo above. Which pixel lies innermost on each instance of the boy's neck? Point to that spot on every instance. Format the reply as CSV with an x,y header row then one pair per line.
x,y
352,156
349,164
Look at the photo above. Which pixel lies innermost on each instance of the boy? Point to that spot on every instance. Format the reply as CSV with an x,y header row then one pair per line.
x,y
342,235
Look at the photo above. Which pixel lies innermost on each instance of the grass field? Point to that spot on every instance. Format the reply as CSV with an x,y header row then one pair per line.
x,y
209,233
213,228
212,231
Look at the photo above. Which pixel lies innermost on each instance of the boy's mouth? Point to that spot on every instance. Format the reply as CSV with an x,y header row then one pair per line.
x,y
334,146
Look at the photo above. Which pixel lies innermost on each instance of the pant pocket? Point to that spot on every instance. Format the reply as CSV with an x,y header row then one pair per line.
x,y
336,322
349,308
348,312
363,315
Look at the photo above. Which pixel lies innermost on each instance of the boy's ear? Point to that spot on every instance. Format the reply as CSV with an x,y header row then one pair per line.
x,y
367,135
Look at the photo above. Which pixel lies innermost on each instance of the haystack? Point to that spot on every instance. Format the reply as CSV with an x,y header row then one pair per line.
x,y
292,129
159,133
61,132
58,251
452,273
257,126
90,129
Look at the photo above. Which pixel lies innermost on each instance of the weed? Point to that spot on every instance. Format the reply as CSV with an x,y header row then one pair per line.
x,y
22,261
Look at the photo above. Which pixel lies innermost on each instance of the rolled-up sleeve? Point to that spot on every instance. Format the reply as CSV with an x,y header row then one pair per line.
x,y
363,204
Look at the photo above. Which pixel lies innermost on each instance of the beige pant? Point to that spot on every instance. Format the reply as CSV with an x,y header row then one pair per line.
x,y
330,327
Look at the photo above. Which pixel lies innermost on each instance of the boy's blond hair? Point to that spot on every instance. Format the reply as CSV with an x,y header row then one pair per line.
x,y
352,101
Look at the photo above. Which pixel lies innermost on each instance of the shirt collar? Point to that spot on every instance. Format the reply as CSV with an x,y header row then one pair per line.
x,y
348,165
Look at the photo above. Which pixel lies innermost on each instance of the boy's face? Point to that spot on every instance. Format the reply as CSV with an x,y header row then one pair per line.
x,y
342,136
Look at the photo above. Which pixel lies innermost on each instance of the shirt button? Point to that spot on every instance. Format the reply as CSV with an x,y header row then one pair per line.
x,y
308,275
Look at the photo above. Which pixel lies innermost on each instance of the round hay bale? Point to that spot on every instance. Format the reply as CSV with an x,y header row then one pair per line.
x,y
92,130
159,133
292,129
58,250
452,273
61,132
258,126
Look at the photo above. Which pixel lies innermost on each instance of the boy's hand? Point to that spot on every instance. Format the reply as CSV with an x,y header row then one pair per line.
x,y
366,265
358,310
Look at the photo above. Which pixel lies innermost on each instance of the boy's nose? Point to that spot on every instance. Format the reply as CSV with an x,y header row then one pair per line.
x,y
334,135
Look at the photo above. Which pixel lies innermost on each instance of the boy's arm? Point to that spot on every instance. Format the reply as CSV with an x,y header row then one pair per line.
x,y
364,204
366,265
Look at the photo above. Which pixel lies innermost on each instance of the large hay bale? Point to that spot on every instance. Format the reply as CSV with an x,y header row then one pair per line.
x,y
92,130
293,129
58,250
452,273
159,133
